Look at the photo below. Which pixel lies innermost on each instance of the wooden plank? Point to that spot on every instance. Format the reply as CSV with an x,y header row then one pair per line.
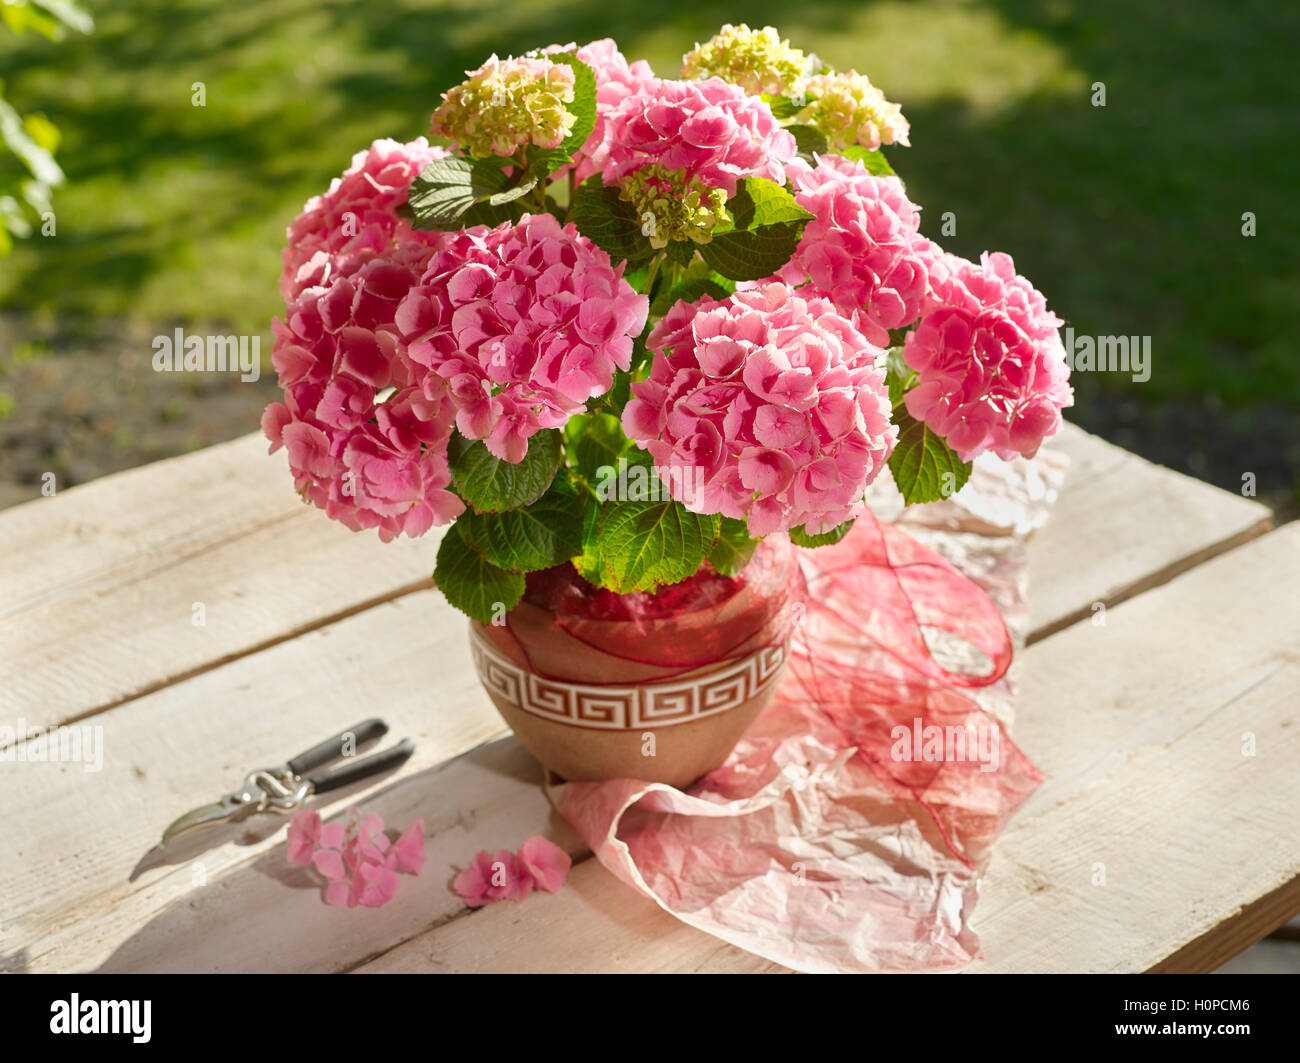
x,y
99,583
385,658
1139,725
1099,545
65,902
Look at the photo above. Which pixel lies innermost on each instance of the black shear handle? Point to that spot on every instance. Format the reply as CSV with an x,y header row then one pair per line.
x,y
332,748
363,768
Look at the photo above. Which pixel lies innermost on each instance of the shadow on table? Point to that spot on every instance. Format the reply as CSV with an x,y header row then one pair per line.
x,y
246,920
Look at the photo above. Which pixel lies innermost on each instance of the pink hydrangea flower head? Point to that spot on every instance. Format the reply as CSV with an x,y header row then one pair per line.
x,y
355,857
498,876
759,61
616,79
770,401
862,248
523,324
304,833
365,428
992,369
694,137
850,110
358,215
507,104
546,862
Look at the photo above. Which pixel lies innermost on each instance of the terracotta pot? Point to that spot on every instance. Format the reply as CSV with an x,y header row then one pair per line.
x,y
589,709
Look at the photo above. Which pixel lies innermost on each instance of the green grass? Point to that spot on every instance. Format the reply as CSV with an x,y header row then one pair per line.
x,y
1127,216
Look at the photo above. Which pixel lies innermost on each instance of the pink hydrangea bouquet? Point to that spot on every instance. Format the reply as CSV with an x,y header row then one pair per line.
x,y
637,323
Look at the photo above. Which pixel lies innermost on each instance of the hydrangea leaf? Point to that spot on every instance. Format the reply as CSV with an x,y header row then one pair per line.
x,y
583,105
767,224
609,222
447,188
809,141
546,533
595,440
800,537
925,468
734,547
472,583
875,162
645,544
491,485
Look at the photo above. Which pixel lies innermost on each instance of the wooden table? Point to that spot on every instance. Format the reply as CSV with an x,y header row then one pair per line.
x,y
1140,726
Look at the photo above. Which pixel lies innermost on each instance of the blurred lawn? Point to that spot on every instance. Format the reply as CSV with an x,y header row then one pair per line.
x,y
1128,216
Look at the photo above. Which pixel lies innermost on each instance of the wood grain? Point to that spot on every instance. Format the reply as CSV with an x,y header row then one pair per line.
x,y
98,584
1139,724
255,688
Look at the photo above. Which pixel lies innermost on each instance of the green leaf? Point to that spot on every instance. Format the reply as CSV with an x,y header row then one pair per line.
x,y
491,485
734,547
587,562
542,162
751,256
800,537
809,140
688,291
645,544
487,214
759,202
924,466
899,376
767,226
546,533
875,161
471,583
680,252
447,188
782,106
609,222
583,105
596,440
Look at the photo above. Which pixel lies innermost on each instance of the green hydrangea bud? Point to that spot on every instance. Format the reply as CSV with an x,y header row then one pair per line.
x,y
672,206
756,60
506,104
848,109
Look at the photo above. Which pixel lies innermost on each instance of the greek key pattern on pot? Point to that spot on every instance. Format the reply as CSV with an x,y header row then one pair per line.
x,y
621,708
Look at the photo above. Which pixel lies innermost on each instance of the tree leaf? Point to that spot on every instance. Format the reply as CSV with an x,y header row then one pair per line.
x,y
734,547
925,468
546,533
472,583
609,222
491,485
645,544
800,537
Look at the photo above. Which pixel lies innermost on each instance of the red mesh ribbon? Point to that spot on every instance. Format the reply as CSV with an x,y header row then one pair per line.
x,y
848,828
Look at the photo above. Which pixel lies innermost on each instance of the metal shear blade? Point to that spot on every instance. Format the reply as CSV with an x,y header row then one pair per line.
x,y
286,788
